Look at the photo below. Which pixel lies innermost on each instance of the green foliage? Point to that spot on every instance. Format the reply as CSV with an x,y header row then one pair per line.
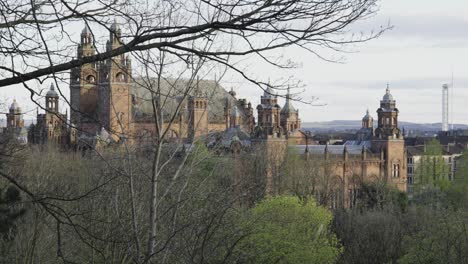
x,y
444,239
372,236
457,194
288,230
373,196
432,171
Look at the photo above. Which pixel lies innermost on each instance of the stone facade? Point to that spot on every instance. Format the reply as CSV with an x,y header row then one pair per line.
x,y
52,126
107,95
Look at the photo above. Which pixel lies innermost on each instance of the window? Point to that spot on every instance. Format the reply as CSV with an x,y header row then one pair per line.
x,y
410,180
90,79
120,77
396,171
410,170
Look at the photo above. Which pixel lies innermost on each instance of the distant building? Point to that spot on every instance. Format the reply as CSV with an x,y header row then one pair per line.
x,y
449,155
15,124
52,126
378,155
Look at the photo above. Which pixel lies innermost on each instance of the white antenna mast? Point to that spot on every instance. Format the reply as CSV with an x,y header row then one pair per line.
x,y
451,102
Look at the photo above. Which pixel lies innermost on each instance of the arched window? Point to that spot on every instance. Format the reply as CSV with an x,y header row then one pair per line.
x,y
91,79
120,77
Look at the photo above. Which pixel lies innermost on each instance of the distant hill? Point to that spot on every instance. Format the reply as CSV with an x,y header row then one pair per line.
x,y
347,125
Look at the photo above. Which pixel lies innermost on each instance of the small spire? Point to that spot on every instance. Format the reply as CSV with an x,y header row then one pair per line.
x,y
86,30
115,25
388,88
52,86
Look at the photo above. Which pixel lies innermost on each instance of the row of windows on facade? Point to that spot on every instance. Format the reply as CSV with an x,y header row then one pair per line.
x,y
119,77
388,121
448,160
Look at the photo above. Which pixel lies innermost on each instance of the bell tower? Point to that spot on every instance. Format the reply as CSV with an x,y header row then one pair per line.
x,y
269,115
115,81
198,114
14,116
388,140
269,139
84,87
387,126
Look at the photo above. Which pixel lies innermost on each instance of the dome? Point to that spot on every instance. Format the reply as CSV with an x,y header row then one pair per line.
x,y
367,116
52,92
388,96
14,106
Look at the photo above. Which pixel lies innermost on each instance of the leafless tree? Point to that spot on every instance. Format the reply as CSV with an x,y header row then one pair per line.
x,y
174,43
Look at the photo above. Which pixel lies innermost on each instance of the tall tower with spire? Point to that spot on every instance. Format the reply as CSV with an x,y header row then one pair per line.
x,y
389,141
84,87
289,116
198,113
115,82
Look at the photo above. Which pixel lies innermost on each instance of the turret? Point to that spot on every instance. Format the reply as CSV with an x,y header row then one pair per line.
x,y
86,46
289,116
14,116
52,98
367,120
387,117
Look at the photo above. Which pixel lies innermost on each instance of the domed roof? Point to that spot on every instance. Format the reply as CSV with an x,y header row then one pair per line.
x,y
367,116
388,96
14,106
52,92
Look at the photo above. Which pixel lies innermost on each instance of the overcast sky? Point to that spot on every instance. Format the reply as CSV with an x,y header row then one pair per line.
x,y
429,41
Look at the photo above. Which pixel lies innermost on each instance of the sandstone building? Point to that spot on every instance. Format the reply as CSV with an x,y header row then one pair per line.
x,y
108,102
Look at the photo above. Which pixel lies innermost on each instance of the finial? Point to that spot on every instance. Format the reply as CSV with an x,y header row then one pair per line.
x,y
115,24
367,111
52,86
388,87
86,29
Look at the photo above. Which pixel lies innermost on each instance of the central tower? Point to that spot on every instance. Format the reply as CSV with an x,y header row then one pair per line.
x,y
115,80
84,87
389,141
